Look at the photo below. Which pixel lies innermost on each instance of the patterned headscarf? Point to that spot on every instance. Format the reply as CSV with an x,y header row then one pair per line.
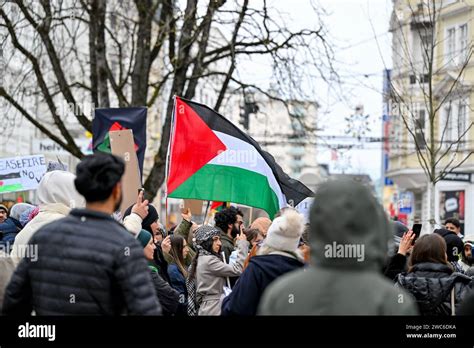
x,y
203,234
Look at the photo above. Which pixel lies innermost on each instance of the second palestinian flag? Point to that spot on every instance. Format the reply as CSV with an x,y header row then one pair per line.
x,y
211,159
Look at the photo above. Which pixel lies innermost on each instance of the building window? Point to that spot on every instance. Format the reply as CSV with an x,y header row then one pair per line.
x,y
450,45
463,43
462,123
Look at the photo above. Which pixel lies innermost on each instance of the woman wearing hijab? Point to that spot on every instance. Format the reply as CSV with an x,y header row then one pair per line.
x,y
210,272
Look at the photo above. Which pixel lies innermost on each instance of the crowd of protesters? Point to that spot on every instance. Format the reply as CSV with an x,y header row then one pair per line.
x,y
73,255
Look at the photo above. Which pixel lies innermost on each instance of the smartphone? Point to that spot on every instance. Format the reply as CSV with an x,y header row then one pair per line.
x,y
417,231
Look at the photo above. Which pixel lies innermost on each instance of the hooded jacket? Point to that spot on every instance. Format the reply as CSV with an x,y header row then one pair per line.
x,y
261,271
431,284
349,235
57,195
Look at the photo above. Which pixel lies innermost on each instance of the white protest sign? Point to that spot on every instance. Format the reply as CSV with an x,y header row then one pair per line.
x,y
21,173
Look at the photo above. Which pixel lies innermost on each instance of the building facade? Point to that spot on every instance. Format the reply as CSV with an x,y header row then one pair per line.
x,y
427,111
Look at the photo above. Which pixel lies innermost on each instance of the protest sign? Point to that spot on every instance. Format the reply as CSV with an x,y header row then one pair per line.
x,y
21,173
108,120
122,145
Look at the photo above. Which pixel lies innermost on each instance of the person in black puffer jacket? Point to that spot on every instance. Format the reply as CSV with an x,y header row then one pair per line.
x,y
87,263
431,280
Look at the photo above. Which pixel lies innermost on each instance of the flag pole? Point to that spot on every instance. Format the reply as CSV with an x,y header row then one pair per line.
x,y
168,159
205,214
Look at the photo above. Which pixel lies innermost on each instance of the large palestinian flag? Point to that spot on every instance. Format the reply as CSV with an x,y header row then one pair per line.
x,y
211,159
107,120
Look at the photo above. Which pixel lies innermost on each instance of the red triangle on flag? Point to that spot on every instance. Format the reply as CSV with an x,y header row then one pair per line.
x,y
193,145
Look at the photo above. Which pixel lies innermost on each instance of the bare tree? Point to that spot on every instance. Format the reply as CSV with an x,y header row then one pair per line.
x,y
142,53
426,84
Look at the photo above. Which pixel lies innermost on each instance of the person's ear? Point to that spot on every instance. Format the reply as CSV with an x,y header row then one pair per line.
x,y
117,191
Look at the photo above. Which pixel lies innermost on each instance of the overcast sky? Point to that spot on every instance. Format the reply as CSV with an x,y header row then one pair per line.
x,y
353,25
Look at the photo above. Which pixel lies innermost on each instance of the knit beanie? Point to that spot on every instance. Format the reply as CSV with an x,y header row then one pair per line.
x,y
4,208
285,231
144,237
454,244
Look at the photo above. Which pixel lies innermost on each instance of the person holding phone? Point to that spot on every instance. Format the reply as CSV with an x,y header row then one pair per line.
x,y
210,271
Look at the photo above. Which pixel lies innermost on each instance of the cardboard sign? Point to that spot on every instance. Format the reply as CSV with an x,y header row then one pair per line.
x,y
122,145
21,173
194,205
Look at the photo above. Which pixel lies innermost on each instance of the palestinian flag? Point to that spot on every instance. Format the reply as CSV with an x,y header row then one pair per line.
x,y
115,119
211,159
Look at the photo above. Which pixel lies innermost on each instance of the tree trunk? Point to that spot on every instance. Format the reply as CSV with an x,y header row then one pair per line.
x,y
431,190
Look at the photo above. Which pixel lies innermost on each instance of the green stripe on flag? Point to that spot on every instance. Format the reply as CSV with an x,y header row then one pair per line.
x,y
11,188
229,184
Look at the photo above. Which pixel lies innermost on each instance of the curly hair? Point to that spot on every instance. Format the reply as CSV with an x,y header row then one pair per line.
x,y
227,217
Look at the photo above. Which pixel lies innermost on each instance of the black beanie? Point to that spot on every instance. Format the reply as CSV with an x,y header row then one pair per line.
x,y
454,244
97,175
149,219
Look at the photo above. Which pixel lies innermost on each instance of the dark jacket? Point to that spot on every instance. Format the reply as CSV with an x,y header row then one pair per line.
x,y
161,264
261,271
396,264
178,282
431,284
8,231
88,264
168,297
467,305
227,246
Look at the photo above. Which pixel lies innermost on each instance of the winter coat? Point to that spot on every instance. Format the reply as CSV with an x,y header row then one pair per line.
x,y
396,264
8,232
161,264
48,213
261,271
57,195
227,245
211,274
346,215
6,270
88,264
431,284
168,297
178,282
467,305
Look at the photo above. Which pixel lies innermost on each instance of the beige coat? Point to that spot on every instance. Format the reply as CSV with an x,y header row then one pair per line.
x,y
211,274
6,270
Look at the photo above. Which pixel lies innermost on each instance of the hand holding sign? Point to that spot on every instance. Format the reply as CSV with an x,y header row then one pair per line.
x,y
141,207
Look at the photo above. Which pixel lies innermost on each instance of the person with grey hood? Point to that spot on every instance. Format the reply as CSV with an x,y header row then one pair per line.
x,y
349,235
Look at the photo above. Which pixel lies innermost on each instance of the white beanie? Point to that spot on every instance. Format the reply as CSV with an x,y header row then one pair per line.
x,y
285,231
